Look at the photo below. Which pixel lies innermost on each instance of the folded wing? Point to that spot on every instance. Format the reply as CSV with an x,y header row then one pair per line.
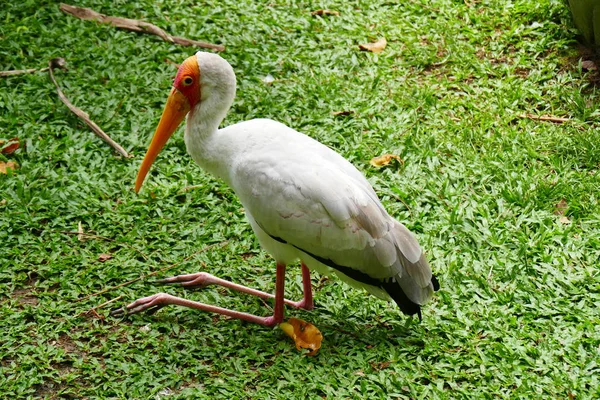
x,y
319,203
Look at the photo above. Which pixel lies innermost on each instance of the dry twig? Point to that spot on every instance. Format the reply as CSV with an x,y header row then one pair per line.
x,y
60,63
93,309
325,12
188,188
173,63
205,248
342,113
549,118
22,71
135,26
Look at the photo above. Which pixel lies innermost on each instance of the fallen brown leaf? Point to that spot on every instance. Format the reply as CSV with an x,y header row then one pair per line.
x,y
4,166
561,207
384,160
11,147
377,366
376,47
339,113
564,220
103,257
571,396
588,65
305,334
325,12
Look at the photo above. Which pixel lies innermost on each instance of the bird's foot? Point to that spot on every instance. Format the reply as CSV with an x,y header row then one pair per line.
x,y
305,303
270,321
159,300
203,279
151,303
198,280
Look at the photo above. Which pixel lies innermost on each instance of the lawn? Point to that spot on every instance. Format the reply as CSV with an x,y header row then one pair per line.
x,y
505,205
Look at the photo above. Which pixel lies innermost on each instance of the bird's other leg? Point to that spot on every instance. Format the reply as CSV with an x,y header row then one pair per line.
x,y
203,279
163,299
307,301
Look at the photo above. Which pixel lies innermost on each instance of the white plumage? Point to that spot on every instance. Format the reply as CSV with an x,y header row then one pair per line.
x,y
303,200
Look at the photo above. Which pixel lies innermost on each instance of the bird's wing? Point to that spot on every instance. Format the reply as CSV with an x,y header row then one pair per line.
x,y
312,202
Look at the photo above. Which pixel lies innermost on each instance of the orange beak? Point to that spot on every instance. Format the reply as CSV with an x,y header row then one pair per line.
x,y
175,111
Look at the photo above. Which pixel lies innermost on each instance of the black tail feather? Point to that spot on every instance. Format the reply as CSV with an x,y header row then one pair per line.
x,y
406,305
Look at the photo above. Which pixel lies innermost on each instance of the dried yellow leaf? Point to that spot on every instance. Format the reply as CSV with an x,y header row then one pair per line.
x,y
325,12
305,334
104,256
564,220
6,165
376,47
345,112
588,65
384,160
561,207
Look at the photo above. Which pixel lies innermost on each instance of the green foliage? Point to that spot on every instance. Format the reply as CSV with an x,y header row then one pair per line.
x,y
518,314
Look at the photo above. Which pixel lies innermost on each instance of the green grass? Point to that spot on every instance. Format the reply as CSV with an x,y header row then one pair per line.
x,y
518,313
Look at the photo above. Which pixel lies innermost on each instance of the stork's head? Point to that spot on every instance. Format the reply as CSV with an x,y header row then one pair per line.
x,y
204,80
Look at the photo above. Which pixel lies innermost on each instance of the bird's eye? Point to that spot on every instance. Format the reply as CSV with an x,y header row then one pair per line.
x,y
187,81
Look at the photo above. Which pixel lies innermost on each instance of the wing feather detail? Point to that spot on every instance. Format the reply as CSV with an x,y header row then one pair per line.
x,y
316,201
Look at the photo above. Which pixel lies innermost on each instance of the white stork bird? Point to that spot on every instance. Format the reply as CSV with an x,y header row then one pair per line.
x,y
304,201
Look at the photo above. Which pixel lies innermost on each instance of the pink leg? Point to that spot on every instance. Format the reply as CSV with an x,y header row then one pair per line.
x,y
307,301
163,299
203,279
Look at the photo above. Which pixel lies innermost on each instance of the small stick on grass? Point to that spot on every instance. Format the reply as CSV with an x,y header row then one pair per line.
x,y
173,63
135,26
188,188
206,248
60,63
93,309
22,71
549,118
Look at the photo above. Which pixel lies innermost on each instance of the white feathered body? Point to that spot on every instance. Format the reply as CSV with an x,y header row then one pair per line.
x,y
299,191
305,201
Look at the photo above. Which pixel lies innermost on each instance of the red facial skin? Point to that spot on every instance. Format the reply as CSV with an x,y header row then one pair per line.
x,y
183,98
187,80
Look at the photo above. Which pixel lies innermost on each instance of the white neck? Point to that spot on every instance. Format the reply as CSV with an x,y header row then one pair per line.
x,y
202,136
204,143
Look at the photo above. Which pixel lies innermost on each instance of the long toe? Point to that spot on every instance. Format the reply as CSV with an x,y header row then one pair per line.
x,y
151,304
197,280
145,303
119,312
124,311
